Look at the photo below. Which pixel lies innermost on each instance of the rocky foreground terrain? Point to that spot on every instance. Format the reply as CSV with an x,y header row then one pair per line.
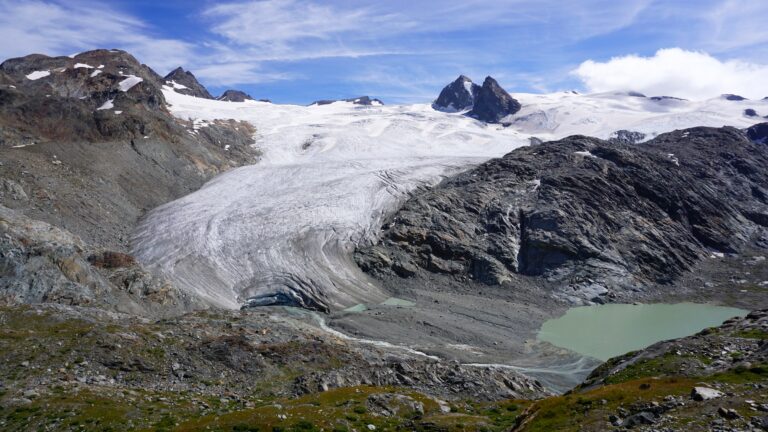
x,y
84,369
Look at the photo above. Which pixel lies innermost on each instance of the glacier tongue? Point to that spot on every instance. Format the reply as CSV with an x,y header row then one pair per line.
x,y
282,231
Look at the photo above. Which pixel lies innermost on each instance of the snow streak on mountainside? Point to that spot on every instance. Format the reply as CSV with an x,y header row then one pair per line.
x,y
282,231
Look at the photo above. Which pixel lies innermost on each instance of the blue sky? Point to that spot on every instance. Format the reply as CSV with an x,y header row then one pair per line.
x,y
297,51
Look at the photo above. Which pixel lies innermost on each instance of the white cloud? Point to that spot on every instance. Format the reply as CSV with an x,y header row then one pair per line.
x,y
676,72
227,74
56,28
310,29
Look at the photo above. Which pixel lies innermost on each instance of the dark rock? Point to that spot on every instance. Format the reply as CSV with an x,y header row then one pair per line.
x,y
560,211
627,137
749,112
639,419
234,96
665,98
636,94
758,133
186,83
457,96
728,413
733,97
362,100
493,103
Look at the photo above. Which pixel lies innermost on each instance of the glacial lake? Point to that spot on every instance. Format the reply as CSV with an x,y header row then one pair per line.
x,y
610,330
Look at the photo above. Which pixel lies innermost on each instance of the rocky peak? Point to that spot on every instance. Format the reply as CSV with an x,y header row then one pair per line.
x,y
457,96
84,97
234,96
184,82
733,97
493,103
362,100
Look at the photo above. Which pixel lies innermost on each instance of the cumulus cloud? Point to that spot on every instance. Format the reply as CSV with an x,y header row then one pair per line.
x,y
676,72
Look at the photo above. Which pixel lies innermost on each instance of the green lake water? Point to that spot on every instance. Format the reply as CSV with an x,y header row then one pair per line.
x,y
606,331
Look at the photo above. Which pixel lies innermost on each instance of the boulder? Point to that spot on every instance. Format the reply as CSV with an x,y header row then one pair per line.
x,y
705,393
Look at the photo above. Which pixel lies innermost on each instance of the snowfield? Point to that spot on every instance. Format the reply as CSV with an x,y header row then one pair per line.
x,y
282,231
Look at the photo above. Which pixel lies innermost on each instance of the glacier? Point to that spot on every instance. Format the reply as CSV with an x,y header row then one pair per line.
x,y
282,231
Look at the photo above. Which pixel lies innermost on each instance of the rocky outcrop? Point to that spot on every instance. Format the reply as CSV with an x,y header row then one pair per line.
x,y
733,97
590,215
443,379
493,103
457,96
758,133
627,137
40,263
362,100
184,82
234,96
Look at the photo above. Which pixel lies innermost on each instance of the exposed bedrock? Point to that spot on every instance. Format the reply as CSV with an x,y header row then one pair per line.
x,y
594,216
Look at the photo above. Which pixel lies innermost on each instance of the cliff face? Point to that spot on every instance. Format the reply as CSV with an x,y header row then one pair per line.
x,y
592,215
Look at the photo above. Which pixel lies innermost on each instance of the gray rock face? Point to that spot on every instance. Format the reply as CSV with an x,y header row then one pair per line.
x,y
758,133
234,96
493,103
362,100
627,137
457,96
40,263
583,212
191,86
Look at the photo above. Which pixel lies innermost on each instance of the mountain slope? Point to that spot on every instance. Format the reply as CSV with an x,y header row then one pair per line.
x,y
88,146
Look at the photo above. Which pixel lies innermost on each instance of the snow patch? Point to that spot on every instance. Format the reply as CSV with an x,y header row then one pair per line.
x,y
107,105
82,65
176,85
468,87
95,73
36,75
129,82
584,154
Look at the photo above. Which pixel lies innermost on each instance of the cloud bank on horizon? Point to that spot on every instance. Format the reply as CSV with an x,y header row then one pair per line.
x,y
405,51
676,72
